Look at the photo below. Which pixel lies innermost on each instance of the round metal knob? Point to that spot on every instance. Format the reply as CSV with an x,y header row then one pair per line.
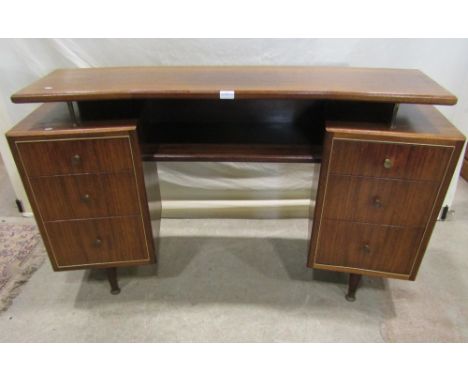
x,y
366,249
97,242
377,202
76,159
388,163
86,198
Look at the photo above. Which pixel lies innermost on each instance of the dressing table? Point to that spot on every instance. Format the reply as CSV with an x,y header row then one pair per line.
x,y
387,156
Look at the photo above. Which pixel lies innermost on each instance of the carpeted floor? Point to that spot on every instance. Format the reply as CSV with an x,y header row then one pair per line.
x,y
20,256
244,281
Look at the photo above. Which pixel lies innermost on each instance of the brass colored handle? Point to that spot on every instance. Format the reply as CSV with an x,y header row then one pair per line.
x,y
377,202
76,159
86,198
97,242
366,249
388,163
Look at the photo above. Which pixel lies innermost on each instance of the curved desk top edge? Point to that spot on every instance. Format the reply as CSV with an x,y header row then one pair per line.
x,y
327,83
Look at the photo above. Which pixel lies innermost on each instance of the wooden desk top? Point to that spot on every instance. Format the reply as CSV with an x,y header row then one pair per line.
x,y
330,83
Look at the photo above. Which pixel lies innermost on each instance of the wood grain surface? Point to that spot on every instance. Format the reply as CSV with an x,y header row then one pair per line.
x,y
381,248
333,83
86,196
424,149
98,241
379,200
407,161
109,170
76,156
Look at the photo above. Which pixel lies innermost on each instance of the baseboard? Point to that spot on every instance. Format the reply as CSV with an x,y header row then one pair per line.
x,y
236,209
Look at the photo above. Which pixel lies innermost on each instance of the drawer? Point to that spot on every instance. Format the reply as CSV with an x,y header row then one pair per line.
x,y
389,160
85,196
367,246
378,200
97,241
58,157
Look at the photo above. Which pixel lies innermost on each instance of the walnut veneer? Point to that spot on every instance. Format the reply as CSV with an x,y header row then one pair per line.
x,y
380,192
87,193
386,166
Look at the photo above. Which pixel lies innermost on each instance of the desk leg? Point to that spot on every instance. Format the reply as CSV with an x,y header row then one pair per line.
x,y
353,284
112,277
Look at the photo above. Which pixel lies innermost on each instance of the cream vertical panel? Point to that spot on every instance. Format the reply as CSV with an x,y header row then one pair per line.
x,y
10,166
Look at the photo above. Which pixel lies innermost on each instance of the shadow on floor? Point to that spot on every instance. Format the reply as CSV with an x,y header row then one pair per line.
x,y
204,270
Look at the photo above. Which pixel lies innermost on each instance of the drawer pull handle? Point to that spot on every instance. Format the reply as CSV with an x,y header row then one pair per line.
x,y
366,249
86,198
377,202
76,159
97,242
388,163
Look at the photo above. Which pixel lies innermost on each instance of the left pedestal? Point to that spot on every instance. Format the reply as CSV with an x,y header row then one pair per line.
x,y
86,188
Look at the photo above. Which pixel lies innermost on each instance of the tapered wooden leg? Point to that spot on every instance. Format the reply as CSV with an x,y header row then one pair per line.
x,y
112,277
353,284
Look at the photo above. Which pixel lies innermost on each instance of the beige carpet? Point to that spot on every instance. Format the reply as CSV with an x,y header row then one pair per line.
x,y
20,256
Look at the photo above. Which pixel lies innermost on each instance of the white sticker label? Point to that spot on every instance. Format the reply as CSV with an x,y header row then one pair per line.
x,y
226,94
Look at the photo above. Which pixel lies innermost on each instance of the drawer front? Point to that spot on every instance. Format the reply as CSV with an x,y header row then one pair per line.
x,y
85,196
389,160
368,246
59,157
380,201
98,241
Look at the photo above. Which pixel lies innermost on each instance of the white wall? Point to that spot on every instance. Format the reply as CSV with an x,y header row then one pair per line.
x,y
285,186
